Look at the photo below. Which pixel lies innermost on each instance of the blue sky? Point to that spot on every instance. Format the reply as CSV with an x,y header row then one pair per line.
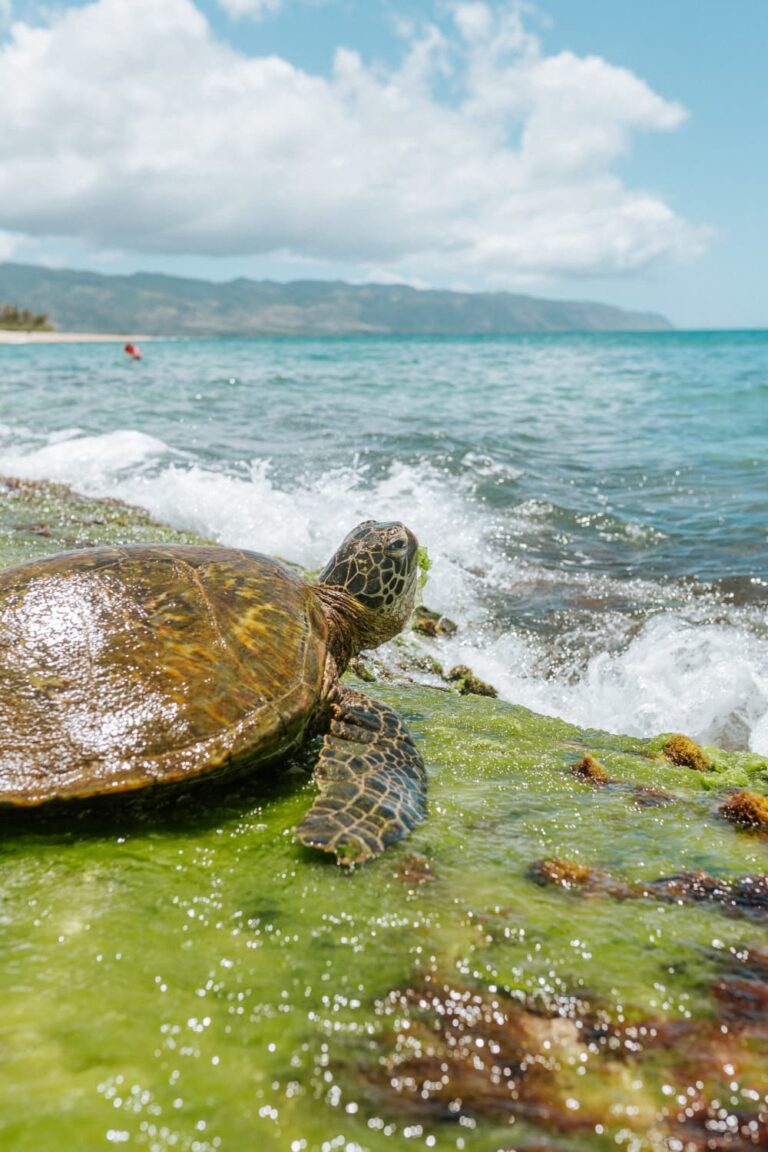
x,y
587,150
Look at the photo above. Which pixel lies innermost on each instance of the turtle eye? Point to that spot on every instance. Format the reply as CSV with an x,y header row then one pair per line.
x,y
396,547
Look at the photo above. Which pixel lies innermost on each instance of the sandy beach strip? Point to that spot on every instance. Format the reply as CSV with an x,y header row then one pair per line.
x,y
12,337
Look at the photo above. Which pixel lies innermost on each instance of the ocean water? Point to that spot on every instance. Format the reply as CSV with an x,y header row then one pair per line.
x,y
595,507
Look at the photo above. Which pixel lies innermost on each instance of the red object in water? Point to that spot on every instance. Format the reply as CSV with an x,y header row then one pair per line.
x,y
132,351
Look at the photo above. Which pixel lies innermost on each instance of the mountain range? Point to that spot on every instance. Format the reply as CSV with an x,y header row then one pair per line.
x,y
159,305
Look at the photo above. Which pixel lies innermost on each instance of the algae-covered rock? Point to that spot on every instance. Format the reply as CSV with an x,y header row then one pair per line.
x,y
468,684
746,895
362,670
414,869
430,623
571,875
38,518
182,975
564,873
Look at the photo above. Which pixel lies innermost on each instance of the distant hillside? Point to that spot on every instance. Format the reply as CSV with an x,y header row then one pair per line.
x,y
172,306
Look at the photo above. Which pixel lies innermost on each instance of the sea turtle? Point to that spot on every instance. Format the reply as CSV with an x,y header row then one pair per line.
x,y
124,668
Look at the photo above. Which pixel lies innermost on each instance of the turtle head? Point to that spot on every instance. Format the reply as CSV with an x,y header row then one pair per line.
x,y
376,571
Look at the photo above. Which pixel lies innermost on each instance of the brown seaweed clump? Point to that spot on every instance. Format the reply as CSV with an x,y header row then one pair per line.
x,y
468,684
590,770
579,877
686,753
562,873
746,809
431,623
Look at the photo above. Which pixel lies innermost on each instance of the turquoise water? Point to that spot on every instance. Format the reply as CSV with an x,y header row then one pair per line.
x,y
184,976
595,506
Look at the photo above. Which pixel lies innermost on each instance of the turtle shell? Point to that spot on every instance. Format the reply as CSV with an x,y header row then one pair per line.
x,y
122,668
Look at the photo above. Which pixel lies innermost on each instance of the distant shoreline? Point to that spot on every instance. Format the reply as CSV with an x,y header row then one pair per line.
x,y
245,308
8,336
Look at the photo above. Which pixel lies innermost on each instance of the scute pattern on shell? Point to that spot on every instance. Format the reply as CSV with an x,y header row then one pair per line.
x,y
123,667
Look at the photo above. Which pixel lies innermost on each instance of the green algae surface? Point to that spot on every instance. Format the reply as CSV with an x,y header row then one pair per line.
x,y
38,519
179,973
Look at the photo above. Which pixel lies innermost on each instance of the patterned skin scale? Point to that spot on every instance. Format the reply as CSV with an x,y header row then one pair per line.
x,y
371,779
126,668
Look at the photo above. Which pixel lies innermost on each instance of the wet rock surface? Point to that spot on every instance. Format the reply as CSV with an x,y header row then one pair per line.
x,y
430,623
742,896
467,684
249,995
456,1054
40,518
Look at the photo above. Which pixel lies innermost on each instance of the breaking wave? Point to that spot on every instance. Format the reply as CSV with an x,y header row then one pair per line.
x,y
669,662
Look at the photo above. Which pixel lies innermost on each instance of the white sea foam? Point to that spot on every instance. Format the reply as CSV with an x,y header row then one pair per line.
x,y
707,680
90,462
675,673
244,507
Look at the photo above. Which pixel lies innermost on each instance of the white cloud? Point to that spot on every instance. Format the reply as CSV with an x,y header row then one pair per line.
x,y
127,125
255,9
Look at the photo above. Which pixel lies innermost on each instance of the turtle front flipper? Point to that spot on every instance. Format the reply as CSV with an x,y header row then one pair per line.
x,y
371,779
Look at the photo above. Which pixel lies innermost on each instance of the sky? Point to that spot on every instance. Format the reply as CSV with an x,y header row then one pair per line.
x,y
577,149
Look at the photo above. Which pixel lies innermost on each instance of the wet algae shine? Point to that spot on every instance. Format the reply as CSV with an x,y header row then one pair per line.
x,y
556,959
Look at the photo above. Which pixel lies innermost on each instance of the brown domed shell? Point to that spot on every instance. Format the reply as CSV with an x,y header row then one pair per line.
x,y
126,667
